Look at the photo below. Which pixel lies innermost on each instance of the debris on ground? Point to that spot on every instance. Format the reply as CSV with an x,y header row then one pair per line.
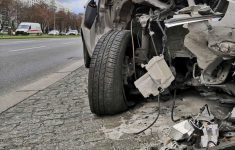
x,y
202,131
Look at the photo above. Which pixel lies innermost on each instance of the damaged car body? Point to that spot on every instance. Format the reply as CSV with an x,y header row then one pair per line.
x,y
154,46
145,48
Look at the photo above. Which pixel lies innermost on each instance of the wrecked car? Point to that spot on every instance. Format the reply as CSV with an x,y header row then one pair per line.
x,y
150,47
147,48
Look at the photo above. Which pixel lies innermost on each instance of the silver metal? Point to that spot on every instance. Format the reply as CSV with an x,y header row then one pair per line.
x,y
191,2
181,131
211,133
186,20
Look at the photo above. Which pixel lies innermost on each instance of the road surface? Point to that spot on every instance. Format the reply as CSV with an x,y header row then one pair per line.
x,y
24,61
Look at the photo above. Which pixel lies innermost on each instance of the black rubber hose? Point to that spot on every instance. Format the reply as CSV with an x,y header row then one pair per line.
x,y
159,111
208,144
173,108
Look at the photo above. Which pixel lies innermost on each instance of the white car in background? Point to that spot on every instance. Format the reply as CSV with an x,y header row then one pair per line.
x,y
72,32
29,28
54,32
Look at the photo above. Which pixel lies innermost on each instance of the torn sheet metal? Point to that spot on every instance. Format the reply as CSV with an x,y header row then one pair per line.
x,y
181,131
157,79
186,20
193,14
156,3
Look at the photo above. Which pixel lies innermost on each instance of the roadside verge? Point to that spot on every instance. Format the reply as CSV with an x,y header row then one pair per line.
x,y
9,100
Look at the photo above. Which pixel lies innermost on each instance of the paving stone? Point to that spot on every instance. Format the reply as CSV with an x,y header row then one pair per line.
x,y
59,118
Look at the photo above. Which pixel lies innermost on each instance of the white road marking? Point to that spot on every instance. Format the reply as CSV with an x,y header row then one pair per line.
x,y
69,43
25,49
16,42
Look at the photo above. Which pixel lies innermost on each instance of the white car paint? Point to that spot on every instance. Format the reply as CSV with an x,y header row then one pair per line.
x,y
29,28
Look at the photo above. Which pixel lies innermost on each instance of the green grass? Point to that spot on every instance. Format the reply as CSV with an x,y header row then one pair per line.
x,y
35,36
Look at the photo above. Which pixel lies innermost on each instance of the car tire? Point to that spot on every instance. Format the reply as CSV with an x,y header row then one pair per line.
x,y
105,83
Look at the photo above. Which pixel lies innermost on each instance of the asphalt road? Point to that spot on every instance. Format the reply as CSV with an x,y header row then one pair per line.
x,y
24,61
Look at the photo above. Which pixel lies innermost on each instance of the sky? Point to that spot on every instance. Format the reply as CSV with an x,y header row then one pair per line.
x,y
75,6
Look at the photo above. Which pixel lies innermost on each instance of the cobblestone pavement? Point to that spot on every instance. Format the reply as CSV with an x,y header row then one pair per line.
x,y
59,118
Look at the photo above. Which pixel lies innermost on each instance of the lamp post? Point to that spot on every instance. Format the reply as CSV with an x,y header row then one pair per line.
x,y
54,7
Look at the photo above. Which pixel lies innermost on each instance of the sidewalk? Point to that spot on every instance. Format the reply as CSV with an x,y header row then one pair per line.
x,y
58,117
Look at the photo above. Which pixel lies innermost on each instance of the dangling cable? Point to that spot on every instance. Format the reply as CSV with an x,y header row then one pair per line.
x,y
172,109
164,38
133,48
159,111
151,33
208,144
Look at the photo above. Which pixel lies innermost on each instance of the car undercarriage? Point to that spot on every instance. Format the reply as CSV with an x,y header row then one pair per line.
x,y
138,49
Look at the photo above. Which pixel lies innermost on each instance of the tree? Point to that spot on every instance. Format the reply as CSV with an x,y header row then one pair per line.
x,y
40,13
9,12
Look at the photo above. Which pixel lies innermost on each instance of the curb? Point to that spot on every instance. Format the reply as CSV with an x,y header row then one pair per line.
x,y
9,100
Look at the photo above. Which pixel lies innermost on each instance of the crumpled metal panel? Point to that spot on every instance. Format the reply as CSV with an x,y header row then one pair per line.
x,y
197,42
155,3
181,131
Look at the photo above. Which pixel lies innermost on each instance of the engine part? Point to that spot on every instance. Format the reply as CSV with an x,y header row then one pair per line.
x,y
216,73
181,131
221,40
211,133
157,79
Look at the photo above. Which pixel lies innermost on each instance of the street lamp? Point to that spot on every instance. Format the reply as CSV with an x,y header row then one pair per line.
x,y
54,7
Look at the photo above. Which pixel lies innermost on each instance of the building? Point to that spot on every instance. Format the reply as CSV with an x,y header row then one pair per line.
x,y
52,3
33,2
60,7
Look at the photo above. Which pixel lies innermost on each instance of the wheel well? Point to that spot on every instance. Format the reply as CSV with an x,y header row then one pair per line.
x,y
125,12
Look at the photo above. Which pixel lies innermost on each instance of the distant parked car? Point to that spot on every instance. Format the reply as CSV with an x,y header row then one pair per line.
x,y
72,32
54,32
29,28
3,32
